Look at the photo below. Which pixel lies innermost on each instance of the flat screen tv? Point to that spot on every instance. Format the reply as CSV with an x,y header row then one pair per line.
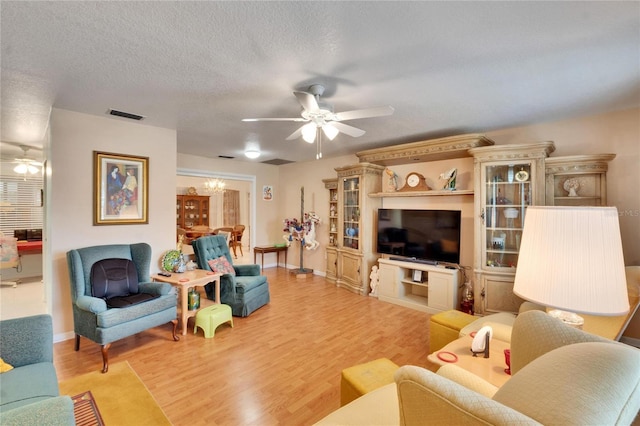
x,y
423,235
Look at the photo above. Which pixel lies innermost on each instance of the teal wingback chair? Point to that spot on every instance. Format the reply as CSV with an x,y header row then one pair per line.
x,y
93,319
245,292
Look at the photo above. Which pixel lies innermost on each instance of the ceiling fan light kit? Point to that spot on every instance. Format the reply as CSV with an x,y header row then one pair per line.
x,y
252,153
26,165
319,115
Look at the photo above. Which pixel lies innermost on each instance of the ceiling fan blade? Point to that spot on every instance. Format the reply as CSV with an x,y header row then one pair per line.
x,y
295,135
275,119
307,100
364,113
348,130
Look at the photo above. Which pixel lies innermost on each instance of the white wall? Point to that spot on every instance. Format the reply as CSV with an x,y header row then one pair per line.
x,y
74,137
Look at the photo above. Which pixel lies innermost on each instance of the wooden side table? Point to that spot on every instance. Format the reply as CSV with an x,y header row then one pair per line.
x,y
185,281
490,369
270,249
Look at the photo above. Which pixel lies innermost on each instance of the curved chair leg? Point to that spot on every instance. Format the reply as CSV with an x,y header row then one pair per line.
x,y
105,357
175,329
77,345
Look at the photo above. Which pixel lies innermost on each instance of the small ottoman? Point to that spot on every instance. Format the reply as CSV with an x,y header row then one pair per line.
x,y
445,328
363,378
209,318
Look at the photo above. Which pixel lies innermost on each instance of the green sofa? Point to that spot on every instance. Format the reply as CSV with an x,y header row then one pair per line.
x,y
29,392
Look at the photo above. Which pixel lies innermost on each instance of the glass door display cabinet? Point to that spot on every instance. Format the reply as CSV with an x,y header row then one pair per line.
x,y
507,180
355,250
192,210
331,257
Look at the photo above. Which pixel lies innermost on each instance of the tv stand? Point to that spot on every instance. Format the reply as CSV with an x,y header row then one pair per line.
x,y
427,287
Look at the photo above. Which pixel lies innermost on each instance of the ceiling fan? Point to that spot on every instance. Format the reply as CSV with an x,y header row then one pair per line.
x,y
319,115
26,165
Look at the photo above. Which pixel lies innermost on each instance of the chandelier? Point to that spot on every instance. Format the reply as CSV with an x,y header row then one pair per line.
x,y
215,186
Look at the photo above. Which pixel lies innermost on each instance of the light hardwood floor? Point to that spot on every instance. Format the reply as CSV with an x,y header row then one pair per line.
x,y
279,366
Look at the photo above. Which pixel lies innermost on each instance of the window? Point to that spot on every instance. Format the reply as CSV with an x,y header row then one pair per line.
x,y
20,201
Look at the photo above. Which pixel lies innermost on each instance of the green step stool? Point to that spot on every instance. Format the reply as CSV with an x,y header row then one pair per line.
x,y
209,318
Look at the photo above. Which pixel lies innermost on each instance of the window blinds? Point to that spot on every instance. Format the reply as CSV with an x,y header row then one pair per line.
x,y
20,200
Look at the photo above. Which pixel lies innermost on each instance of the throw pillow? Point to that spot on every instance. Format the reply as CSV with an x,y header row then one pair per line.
x,y
4,367
221,265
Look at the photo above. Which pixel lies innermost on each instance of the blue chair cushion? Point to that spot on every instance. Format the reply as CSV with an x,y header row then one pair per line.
x,y
245,284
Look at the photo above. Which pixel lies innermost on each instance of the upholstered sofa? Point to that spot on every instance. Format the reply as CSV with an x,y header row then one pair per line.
x,y
560,376
245,290
29,392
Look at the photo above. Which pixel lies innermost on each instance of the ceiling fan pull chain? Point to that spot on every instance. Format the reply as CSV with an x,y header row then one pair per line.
x,y
318,143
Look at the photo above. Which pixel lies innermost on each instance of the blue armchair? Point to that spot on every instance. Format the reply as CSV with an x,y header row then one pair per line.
x,y
245,292
29,393
92,317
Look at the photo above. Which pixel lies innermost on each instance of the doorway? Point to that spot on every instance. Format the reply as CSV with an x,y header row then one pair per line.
x,y
244,184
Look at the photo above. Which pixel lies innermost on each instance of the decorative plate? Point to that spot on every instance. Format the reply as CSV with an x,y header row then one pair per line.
x,y
522,176
169,259
192,191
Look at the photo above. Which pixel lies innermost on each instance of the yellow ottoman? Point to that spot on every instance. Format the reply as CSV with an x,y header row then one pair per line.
x,y
445,328
363,378
209,318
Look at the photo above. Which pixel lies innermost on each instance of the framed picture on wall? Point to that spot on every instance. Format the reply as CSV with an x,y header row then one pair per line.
x,y
267,192
121,189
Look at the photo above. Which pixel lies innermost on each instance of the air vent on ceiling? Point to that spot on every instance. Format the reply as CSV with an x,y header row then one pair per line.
x,y
125,115
277,162
226,157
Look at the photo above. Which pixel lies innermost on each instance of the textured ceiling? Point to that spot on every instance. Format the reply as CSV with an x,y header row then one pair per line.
x,y
200,67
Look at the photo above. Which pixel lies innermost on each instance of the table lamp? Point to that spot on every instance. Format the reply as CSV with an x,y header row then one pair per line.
x,y
571,259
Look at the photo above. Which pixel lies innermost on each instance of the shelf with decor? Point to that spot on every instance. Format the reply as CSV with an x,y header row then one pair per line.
x,y
577,180
434,193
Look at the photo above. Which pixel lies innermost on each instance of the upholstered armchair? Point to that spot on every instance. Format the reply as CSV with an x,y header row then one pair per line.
x,y
560,375
154,303
243,288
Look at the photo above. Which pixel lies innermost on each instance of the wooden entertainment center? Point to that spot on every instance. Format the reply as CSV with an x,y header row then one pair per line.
x,y
505,180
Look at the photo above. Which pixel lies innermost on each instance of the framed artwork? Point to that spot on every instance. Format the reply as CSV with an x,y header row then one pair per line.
x,y
121,189
267,192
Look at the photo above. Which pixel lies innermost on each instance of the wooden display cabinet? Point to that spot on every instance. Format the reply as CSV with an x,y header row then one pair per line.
x,y
331,253
192,210
577,180
507,179
355,248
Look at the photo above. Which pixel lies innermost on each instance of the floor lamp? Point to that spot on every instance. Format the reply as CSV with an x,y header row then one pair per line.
x,y
571,259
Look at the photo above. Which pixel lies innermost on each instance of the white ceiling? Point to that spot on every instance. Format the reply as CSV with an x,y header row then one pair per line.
x,y
200,67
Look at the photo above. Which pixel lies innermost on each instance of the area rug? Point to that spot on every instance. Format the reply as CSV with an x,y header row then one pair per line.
x,y
120,396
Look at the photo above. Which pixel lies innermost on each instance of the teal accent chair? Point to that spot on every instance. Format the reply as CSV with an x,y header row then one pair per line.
x,y
29,393
93,319
245,292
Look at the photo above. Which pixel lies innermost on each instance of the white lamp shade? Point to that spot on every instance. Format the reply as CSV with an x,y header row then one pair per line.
x,y
571,259
309,132
330,131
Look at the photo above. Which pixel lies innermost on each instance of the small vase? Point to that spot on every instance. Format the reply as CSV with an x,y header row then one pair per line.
x,y
180,265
